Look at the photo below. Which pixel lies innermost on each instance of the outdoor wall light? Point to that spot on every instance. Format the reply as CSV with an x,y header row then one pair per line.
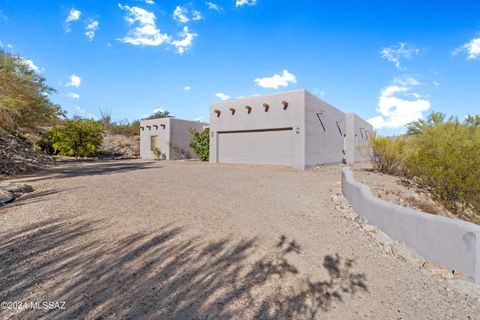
x,y
211,134
217,112
232,110
248,108
163,126
285,104
297,130
266,106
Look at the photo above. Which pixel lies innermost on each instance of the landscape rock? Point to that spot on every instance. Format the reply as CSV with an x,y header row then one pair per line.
x,y
401,251
437,270
119,146
383,238
15,187
6,197
17,156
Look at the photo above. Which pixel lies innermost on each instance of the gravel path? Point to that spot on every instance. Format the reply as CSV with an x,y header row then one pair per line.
x,y
159,240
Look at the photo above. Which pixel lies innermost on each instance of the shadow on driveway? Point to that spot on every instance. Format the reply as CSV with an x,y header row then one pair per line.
x,y
166,274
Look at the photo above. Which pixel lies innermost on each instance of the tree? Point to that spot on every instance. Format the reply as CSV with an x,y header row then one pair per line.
x,y
434,118
24,95
77,137
200,143
159,114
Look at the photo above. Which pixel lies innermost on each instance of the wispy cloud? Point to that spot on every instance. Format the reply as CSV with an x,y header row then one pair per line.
x,y
187,88
399,103
29,63
91,28
145,31
213,6
72,95
399,52
240,3
277,80
74,15
74,81
180,14
197,15
222,96
185,42
471,48
83,113
149,2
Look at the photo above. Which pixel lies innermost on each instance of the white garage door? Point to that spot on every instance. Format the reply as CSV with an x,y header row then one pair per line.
x,y
273,146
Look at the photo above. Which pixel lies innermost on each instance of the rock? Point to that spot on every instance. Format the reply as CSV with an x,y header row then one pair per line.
x,y
437,270
6,197
383,238
369,228
464,286
405,253
360,220
15,187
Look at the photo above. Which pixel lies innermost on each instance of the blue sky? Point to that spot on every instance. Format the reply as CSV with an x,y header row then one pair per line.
x,y
388,61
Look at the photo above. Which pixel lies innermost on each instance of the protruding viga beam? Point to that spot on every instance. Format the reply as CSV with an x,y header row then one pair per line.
x,y
451,242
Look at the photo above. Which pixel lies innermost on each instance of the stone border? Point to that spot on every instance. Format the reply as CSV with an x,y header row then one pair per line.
x,y
450,242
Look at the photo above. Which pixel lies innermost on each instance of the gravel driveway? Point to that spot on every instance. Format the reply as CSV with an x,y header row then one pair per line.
x,y
181,240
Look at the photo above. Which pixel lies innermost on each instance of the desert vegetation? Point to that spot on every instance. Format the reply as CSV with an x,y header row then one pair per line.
x,y
441,155
200,143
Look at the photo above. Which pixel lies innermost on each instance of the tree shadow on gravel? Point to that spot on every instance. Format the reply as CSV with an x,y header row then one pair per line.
x,y
167,274
90,168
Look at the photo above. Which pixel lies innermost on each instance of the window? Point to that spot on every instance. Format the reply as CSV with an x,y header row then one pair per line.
x,y
153,142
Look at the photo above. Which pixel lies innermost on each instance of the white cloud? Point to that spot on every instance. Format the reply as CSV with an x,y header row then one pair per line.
x,y
158,110
145,32
30,64
200,119
240,3
436,84
75,81
276,81
149,2
396,53
92,26
73,16
187,88
180,14
197,16
213,6
81,112
472,48
72,95
399,105
10,46
183,44
222,96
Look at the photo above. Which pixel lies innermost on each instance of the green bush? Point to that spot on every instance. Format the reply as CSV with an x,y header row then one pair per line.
x,y
446,159
443,156
200,143
388,154
76,137
157,153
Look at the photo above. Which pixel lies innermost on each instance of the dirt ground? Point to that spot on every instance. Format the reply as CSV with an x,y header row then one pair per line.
x,y
188,240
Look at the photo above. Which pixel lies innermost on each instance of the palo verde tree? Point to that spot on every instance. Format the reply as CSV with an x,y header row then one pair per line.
x,y
24,95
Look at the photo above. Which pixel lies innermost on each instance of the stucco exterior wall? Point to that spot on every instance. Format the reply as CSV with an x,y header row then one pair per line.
x,y
163,137
357,131
450,242
173,138
325,129
259,119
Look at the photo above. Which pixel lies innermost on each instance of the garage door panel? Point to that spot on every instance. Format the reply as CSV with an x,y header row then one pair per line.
x,y
263,147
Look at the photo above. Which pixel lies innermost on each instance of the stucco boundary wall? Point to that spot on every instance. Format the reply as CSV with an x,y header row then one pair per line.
x,y
450,242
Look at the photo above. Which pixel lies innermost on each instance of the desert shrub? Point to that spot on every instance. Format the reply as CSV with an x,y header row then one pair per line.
x,y
76,137
200,143
388,154
446,159
157,153
122,127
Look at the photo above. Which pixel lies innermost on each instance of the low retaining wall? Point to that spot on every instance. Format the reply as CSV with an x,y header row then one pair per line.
x,y
450,242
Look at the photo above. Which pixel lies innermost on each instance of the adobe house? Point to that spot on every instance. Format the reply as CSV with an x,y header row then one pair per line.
x,y
293,128
170,135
